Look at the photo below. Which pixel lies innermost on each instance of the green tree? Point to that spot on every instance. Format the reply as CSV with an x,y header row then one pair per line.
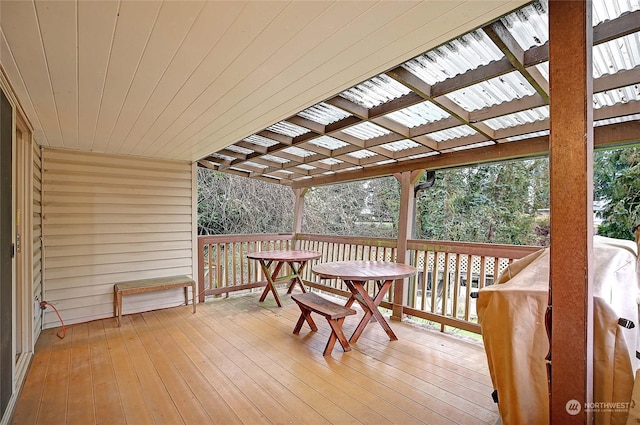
x,y
495,203
617,182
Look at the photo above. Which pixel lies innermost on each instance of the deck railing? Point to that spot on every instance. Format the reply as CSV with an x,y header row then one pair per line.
x,y
223,266
448,272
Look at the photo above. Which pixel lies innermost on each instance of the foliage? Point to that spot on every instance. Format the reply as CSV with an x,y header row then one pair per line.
x,y
360,208
494,203
229,204
617,181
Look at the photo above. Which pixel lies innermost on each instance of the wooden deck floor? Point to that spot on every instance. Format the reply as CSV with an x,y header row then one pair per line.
x,y
236,361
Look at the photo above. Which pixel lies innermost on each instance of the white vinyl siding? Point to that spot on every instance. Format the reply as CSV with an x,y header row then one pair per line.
x,y
37,239
109,219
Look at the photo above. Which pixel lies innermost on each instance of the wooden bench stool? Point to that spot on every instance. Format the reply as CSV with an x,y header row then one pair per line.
x,y
150,285
334,313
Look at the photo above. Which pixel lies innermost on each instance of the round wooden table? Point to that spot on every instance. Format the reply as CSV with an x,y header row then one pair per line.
x,y
355,274
297,260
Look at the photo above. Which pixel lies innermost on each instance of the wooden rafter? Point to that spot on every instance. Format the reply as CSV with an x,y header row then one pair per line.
x,y
502,38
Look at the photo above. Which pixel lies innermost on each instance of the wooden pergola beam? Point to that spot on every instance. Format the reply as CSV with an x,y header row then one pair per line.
x,y
502,38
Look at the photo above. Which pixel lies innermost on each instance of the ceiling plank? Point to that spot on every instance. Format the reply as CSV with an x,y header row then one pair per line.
x,y
134,26
58,26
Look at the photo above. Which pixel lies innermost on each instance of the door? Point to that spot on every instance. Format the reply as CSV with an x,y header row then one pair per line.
x,y
6,254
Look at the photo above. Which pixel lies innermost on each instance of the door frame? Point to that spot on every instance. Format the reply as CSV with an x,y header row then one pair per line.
x,y
24,307
22,292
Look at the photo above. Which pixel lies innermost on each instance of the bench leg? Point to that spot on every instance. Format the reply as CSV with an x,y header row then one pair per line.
x,y
193,292
336,334
304,315
119,303
115,303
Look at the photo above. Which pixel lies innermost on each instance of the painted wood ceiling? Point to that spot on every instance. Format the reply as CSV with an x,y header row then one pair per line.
x,y
183,79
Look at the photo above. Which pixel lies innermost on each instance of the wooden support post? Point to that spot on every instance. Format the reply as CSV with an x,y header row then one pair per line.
x,y
298,211
407,181
571,187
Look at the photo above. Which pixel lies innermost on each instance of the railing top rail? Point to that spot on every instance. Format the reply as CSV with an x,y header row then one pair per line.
x,y
472,248
469,248
352,240
213,239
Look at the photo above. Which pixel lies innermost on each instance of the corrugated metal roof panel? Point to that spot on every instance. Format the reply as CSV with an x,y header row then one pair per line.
x,y
306,167
421,155
277,178
255,164
400,145
275,159
377,90
519,118
492,92
544,69
612,97
361,154
605,10
324,113
239,149
528,136
259,140
213,161
366,131
386,161
331,161
288,129
422,113
611,57
222,156
452,133
303,153
616,120
328,142
616,55
529,25
465,147
467,52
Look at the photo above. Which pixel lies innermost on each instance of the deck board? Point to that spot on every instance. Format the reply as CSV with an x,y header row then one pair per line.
x,y
236,361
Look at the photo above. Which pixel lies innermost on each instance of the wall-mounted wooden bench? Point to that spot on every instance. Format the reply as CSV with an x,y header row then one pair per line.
x,y
334,313
150,285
